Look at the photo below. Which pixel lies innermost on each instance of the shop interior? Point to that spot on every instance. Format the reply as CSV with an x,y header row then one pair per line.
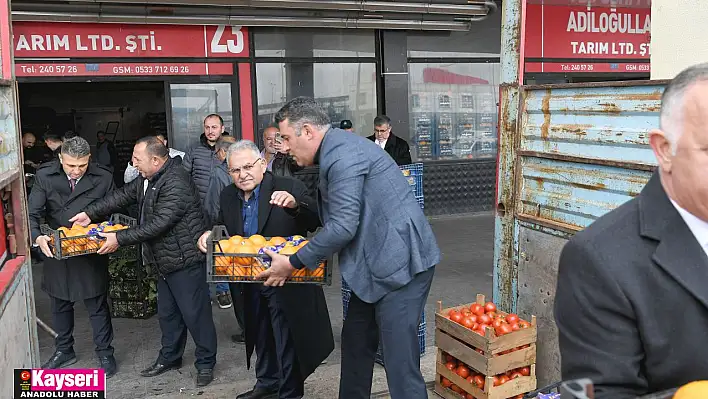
x,y
125,111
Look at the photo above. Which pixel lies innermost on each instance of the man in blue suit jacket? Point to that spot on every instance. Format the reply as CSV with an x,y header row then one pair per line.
x,y
387,250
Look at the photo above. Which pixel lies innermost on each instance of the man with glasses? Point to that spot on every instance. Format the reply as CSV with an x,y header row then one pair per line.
x,y
395,146
288,326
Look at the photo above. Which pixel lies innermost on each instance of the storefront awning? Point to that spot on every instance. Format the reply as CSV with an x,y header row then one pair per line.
x,y
453,15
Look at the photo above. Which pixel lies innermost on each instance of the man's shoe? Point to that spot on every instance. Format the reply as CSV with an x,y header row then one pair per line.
x,y
259,393
238,338
60,359
108,364
158,368
204,377
224,300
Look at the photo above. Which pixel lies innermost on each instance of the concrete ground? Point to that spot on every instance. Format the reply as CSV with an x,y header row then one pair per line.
x,y
467,246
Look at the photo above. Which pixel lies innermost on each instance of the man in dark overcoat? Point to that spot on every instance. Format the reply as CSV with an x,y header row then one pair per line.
x,y
289,326
62,188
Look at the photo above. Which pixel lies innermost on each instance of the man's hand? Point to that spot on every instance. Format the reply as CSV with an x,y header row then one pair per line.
x,y
279,271
111,244
43,242
81,219
283,199
202,241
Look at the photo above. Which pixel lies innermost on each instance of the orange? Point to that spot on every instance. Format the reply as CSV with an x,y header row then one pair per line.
x,y
319,272
274,241
247,249
692,390
288,250
257,240
302,244
236,239
223,246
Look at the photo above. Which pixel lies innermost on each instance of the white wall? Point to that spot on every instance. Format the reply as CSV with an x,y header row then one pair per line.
x,y
678,37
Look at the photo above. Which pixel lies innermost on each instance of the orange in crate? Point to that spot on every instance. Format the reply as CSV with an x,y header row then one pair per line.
x,y
246,249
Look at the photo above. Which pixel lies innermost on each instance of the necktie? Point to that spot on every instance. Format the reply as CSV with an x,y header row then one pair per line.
x,y
72,184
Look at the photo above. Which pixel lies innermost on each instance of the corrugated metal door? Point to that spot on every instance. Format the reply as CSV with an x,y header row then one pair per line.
x,y
580,150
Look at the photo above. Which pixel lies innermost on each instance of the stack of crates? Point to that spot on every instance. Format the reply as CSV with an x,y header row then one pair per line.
x,y
414,174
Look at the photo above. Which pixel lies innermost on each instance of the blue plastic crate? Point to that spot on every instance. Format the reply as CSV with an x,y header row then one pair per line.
x,y
414,174
346,296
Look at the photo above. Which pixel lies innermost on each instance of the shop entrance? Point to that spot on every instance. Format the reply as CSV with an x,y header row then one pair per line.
x,y
124,111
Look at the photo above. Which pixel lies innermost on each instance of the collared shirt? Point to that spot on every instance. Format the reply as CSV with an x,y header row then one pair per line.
x,y
381,143
698,227
250,212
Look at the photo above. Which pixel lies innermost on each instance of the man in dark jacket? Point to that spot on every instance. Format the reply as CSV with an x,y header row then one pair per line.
x,y
277,160
171,220
61,189
395,146
289,326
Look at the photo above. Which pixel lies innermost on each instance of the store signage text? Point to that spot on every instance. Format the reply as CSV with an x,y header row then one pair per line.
x,y
122,69
44,40
573,67
582,32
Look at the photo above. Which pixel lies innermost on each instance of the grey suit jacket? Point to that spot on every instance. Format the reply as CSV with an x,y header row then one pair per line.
x,y
632,300
370,216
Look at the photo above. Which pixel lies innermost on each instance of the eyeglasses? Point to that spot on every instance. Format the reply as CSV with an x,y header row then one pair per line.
x,y
245,168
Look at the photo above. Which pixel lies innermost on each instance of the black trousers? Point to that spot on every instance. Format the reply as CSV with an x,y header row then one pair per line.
x,y
99,316
237,301
183,305
393,319
277,365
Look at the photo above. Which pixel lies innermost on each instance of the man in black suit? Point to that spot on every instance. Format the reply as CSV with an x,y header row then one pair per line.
x,y
289,326
62,188
395,146
632,297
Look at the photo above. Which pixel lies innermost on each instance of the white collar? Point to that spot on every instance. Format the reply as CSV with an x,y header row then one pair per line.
x,y
698,227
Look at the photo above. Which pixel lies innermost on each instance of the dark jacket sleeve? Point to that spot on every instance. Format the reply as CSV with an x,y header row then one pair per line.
x,y
115,201
170,208
598,337
212,201
404,152
306,212
36,206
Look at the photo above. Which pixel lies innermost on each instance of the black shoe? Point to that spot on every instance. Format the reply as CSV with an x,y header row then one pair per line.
x,y
108,364
259,393
224,300
238,338
158,368
59,360
204,377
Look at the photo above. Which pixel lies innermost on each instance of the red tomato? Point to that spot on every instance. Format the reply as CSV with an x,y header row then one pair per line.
x,y
468,322
456,388
470,379
515,327
484,319
525,371
473,317
482,329
465,312
490,307
493,315
451,365
524,324
445,382
469,396
463,371
451,312
496,381
477,309
479,381
497,322
503,329
512,318
515,375
480,351
503,380
457,317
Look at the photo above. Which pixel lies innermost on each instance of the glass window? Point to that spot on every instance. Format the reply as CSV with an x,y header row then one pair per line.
x,y
191,102
453,109
346,91
307,43
482,40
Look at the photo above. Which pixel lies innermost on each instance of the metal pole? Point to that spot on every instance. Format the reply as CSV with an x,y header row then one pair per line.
x,y
505,269
46,328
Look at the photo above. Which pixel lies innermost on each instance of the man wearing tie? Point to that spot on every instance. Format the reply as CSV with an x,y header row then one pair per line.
x,y
62,188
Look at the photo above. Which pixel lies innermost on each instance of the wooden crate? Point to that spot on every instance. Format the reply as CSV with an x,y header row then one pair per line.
x,y
462,344
512,388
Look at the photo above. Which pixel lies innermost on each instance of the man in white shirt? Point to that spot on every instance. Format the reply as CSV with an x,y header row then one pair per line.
x,y
632,296
395,146
131,172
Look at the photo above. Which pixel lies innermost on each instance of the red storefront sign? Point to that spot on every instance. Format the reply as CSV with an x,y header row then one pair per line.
x,y
124,69
587,33
593,67
88,40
